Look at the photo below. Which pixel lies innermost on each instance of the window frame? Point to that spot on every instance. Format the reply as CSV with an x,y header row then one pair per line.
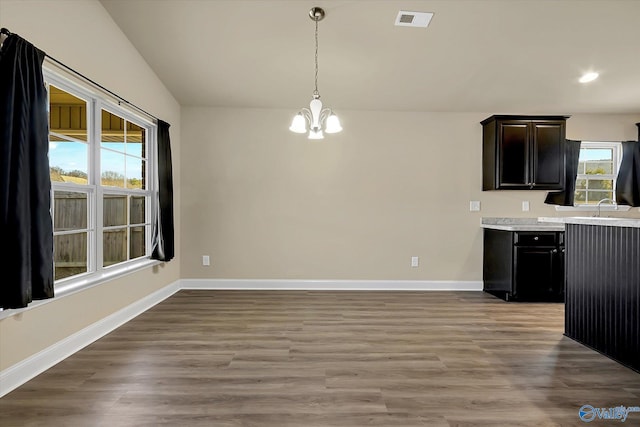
x,y
616,146
96,102
149,191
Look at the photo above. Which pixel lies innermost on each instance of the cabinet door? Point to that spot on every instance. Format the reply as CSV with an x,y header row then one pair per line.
x,y
513,165
497,260
534,273
548,157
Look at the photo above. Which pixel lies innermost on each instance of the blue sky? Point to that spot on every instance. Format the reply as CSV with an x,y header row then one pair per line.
x,y
73,156
595,154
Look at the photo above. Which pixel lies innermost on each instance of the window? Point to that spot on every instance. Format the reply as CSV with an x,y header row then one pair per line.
x,y
597,171
99,156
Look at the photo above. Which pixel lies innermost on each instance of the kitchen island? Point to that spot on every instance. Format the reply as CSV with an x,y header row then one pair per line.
x,y
602,285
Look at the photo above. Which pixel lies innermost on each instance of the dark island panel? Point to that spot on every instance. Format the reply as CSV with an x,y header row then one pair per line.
x,y
603,290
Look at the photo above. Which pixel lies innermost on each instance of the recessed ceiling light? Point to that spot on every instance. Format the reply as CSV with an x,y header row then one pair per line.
x,y
588,77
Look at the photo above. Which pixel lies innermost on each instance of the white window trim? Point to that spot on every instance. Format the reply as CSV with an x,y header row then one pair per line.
x,y
82,282
617,157
96,102
592,208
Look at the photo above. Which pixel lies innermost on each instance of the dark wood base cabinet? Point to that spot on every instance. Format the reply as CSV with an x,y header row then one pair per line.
x,y
524,265
603,290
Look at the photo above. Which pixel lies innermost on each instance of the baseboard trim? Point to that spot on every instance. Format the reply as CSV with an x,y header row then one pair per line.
x,y
332,285
18,374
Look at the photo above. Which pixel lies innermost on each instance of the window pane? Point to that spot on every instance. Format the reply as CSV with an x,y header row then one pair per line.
x,y
114,246
112,168
70,254
114,208
587,154
68,161
137,242
67,114
600,184
580,198
595,161
599,167
137,211
593,197
581,184
112,131
69,211
136,139
135,173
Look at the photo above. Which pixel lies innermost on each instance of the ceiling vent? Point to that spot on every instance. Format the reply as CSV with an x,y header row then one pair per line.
x,y
413,19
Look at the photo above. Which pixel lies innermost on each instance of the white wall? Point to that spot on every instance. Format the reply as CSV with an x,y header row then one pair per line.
x,y
82,35
266,203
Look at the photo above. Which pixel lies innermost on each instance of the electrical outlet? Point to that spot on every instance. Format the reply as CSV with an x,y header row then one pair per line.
x,y
474,205
415,261
525,206
205,260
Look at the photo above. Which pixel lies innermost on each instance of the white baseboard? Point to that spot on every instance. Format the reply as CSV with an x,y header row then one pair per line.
x,y
18,374
23,371
333,285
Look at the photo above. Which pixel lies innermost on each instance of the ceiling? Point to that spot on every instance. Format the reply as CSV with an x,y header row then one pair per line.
x,y
499,56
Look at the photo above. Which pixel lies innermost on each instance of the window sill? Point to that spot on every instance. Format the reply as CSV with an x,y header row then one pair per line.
x,y
591,208
71,286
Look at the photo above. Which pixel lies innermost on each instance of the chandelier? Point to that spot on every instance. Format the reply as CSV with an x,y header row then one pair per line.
x,y
317,118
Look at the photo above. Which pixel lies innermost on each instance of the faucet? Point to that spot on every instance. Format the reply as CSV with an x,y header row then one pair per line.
x,y
612,202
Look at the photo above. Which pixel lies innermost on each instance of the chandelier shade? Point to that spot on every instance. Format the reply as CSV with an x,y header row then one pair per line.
x,y
316,119
299,124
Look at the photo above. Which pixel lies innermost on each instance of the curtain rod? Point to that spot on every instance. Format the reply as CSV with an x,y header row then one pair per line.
x,y
6,32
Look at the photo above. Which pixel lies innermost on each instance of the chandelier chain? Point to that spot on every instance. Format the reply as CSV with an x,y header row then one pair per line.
x,y
315,92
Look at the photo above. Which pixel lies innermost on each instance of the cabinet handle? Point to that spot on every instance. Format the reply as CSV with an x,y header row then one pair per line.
x,y
536,238
555,251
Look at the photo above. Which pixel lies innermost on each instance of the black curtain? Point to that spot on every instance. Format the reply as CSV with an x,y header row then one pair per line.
x,y
628,181
565,197
163,234
26,231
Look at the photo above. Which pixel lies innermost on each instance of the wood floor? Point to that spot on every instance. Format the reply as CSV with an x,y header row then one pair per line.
x,y
295,358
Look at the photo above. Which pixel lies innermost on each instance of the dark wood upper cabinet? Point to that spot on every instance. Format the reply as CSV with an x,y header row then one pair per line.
x,y
523,152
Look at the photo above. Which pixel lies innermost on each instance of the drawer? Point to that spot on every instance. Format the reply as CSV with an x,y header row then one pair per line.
x,y
536,239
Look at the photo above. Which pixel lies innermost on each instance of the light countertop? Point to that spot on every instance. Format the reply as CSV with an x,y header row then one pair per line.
x,y
586,220
520,224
